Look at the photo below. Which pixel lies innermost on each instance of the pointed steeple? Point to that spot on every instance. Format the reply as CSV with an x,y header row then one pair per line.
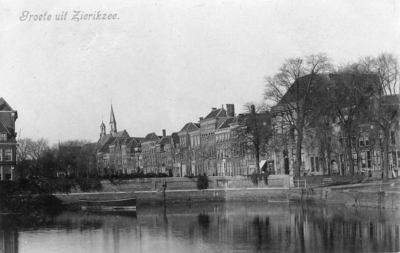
x,y
102,129
113,123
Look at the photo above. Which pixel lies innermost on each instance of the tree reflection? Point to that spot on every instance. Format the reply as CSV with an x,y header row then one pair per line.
x,y
204,220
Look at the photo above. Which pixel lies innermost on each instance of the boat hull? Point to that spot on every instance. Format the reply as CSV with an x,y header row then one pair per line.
x,y
109,204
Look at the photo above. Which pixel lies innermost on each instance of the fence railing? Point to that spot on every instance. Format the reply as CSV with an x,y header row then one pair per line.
x,y
300,183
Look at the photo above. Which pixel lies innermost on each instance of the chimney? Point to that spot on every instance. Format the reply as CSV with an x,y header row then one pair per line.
x,y
232,110
228,110
253,109
163,132
201,118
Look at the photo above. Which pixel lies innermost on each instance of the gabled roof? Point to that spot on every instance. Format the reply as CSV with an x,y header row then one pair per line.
x,y
132,143
217,113
138,139
225,123
4,106
165,140
369,81
4,129
129,142
120,134
189,127
103,140
151,137
220,121
7,120
117,141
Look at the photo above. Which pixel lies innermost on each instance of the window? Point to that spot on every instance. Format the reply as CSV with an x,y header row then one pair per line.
x,y
355,164
1,155
369,163
312,164
7,155
398,158
354,141
341,158
377,158
363,160
394,159
3,137
392,138
361,139
317,164
340,139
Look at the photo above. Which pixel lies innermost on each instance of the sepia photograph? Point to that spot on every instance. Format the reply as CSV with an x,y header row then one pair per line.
x,y
199,126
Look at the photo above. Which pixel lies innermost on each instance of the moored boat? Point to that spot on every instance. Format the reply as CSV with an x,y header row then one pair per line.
x,y
108,204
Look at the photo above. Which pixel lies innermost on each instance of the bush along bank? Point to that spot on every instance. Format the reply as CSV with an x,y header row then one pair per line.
x,y
33,201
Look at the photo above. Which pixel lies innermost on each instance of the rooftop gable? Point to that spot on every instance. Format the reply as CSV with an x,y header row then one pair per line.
x,y
226,123
4,106
121,134
190,127
216,113
151,137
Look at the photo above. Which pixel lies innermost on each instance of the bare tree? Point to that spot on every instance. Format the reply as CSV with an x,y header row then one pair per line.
x,y
385,112
38,148
291,89
29,149
253,132
351,89
205,154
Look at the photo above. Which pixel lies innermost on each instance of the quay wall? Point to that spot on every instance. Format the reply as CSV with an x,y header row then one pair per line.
x,y
184,183
349,197
280,188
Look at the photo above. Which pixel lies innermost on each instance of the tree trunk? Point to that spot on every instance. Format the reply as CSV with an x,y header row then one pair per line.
x,y
298,151
329,161
257,153
349,153
386,133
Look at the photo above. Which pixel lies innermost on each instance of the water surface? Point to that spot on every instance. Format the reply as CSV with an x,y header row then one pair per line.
x,y
222,227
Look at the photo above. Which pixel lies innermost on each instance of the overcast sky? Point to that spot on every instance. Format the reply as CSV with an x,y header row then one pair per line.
x,y
166,63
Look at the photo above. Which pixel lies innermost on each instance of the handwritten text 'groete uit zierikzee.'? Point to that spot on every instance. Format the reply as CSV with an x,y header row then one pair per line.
x,y
74,16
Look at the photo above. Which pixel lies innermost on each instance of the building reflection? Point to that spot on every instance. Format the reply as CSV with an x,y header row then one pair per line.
x,y
287,228
8,241
8,235
224,227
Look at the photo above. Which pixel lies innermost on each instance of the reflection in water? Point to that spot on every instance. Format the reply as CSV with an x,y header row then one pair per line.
x,y
224,227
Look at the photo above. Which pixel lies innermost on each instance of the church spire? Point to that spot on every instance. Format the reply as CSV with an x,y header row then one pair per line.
x,y
113,123
102,129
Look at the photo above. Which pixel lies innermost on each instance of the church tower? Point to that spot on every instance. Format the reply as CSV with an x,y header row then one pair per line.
x,y
102,129
113,123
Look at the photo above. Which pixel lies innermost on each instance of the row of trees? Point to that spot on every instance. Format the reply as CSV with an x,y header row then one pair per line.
x,y
309,95
36,158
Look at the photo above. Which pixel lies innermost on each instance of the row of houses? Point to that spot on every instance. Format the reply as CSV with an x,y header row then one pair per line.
x,y
205,146
212,146
331,148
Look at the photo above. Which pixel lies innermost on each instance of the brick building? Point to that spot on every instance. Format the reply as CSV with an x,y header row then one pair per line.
x,y
327,151
8,143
